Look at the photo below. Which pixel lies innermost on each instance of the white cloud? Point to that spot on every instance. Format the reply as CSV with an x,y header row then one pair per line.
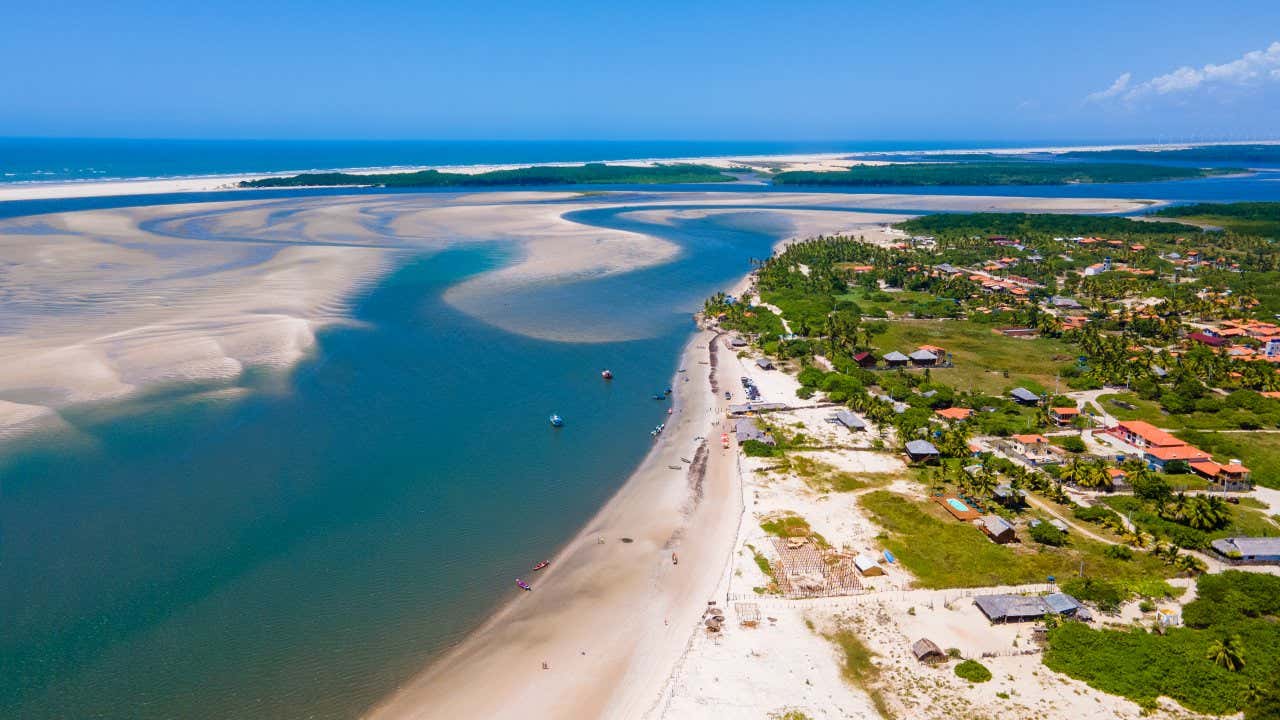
x,y
1252,68
1120,85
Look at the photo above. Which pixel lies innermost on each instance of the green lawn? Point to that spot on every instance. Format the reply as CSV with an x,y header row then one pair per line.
x,y
1259,451
982,358
943,552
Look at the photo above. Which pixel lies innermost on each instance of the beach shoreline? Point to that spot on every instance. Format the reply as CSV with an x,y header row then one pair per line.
x,y
613,612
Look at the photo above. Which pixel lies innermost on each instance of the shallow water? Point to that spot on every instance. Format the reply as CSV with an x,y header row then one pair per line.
x,y
296,548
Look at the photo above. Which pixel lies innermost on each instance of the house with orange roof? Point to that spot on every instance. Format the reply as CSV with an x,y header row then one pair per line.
x,y
1142,434
955,414
1232,476
1159,457
1030,444
1063,415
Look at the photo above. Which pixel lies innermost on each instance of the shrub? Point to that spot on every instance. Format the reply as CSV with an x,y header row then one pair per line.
x,y
973,671
1119,552
1073,443
1046,534
1107,596
755,448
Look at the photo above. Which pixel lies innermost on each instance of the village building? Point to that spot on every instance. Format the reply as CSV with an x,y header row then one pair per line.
x,y
922,451
896,359
1063,416
850,421
955,414
1264,550
1024,396
996,528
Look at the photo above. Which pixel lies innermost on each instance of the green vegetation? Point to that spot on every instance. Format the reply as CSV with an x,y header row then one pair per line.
x,y
1192,521
1222,662
788,715
1024,224
985,362
942,552
993,173
1196,410
589,174
787,526
1205,153
1249,218
973,671
859,667
756,448
1046,534
762,562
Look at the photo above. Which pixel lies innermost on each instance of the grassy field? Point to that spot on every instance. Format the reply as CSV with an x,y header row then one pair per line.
x,y
882,304
943,552
1149,410
982,358
1259,451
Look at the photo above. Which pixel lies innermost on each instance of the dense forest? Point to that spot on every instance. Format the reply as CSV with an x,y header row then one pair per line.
x,y
1011,172
1257,218
1022,224
588,174
1207,153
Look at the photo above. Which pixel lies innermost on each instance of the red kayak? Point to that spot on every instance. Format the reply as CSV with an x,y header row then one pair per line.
x,y
523,585
541,565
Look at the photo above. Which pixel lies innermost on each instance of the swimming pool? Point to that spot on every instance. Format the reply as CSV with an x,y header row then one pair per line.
x,y
958,505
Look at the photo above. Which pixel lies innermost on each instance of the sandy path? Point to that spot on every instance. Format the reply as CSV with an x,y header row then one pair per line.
x,y
609,619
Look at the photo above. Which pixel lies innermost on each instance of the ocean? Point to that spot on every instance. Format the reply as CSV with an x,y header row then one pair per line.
x,y
68,159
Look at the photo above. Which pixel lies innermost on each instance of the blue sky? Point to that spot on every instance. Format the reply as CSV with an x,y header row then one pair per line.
x,y
650,70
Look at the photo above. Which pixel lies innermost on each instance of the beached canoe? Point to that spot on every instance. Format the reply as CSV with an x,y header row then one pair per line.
x,y
523,585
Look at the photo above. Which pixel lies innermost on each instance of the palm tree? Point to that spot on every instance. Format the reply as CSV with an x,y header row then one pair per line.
x,y
1189,564
1227,653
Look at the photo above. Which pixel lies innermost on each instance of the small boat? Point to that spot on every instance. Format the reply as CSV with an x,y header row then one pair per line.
x,y
659,396
668,392
523,585
889,556
557,421
728,395
541,565
607,374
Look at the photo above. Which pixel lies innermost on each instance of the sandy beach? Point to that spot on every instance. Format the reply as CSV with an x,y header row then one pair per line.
x,y
613,612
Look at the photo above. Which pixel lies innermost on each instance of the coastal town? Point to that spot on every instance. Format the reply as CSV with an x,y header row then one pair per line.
x,y
998,465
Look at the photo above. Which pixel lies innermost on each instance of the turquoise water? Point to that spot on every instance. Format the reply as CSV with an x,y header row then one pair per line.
x,y
299,549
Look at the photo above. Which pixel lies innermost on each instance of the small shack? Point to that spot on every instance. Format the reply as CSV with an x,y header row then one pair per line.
x,y
996,528
867,565
927,651
764,364
1023,396
896,359
865,359
1009,496
922,451
850,421
923,358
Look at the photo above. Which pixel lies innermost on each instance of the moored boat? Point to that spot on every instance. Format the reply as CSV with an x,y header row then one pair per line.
x,y
557,421
541,565
607,374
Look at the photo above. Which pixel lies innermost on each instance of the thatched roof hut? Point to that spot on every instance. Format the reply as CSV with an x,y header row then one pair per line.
x,y
927,651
